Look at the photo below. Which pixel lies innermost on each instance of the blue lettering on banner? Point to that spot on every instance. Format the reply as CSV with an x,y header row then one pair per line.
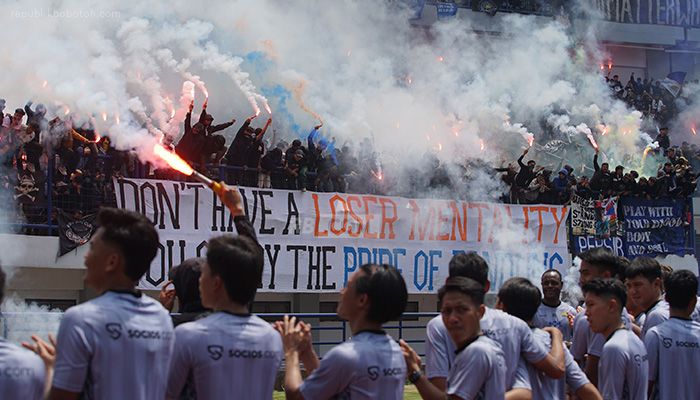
x,y
615,244
446,9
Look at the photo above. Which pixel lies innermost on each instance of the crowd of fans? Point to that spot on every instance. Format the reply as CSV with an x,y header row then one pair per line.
x,y
675,178
81,164
646,95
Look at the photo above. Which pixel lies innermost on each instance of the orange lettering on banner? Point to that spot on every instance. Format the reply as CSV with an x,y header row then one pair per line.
x,y
318,233
442,220
428,225
333,200
479,207
369,216
385,201
498,219
526,225
539,210
457,221
360,224
558,221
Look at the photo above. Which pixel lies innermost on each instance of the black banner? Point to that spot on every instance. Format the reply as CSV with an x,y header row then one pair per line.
x,y
74,232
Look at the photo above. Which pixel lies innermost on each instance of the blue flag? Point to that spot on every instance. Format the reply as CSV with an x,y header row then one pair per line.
x,y
446,10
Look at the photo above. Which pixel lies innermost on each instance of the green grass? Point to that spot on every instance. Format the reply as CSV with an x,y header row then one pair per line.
x,y
410,393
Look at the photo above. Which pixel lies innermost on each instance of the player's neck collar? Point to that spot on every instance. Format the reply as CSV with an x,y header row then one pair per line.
x,y
134,292
652,306
681,318
552,305
470,341
619,328
235,314
374,331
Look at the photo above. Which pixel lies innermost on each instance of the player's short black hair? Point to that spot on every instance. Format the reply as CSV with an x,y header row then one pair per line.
x,y
467,286
607,288
646,267
238,261
604,260
469,265
552,271
520,298
386,290
681,287
185,279
133,234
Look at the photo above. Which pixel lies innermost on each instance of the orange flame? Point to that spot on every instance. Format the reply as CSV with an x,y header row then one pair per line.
x,y
97,138
439,146
602,67
609,65
605,131
116,117
67,111
692,129
104,116
268,109
44,84
483,146
206,92
530,141
173,160
257,112
440,59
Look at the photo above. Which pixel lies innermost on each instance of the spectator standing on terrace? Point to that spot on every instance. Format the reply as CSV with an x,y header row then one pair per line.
x,y
236,156
271,163
601,183
254,153
117,345
295,171
662,138
560,185
190,145
525,175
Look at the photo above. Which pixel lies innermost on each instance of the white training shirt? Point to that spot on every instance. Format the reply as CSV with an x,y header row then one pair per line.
x,y
654,316
557,317
22,373
479,371
695,316
116,346
227,355
546,388
368,366
674,352
623,370
585,341
511,333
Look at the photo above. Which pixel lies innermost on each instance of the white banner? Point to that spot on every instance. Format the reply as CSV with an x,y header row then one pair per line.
x,y
314,241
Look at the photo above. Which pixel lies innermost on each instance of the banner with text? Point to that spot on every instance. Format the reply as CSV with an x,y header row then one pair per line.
x,y
654,227
655,12
593,217
314,241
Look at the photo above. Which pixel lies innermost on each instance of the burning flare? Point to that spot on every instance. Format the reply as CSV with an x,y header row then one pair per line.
x,y
104,116
483,146
692,129
593,142
173,160
44,84
268,109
